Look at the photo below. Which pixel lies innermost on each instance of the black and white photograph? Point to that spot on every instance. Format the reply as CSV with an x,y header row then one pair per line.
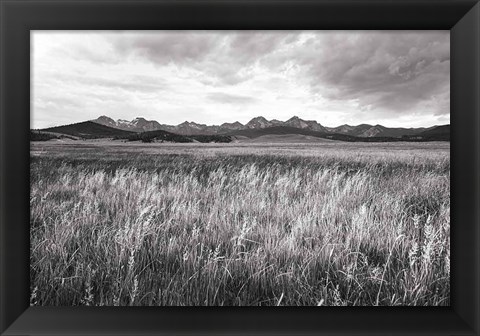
x,y
240,168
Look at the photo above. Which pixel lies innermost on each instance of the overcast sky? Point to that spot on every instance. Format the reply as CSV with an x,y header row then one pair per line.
x,y
393,78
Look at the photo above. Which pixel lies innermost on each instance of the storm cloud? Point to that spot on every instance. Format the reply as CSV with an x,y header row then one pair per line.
x,y
395,78
390,72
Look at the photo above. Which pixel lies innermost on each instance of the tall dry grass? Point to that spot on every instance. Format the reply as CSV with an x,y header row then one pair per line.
x,y
240,230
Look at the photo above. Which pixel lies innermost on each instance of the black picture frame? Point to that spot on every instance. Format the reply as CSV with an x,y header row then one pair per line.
x,y
19,17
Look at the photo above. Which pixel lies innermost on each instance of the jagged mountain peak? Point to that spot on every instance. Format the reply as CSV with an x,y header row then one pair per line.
x,y
104,117
190,123
294,118
259,118
235,123
258,122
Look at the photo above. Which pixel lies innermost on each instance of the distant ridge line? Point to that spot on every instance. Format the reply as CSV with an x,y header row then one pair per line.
x,y
140,124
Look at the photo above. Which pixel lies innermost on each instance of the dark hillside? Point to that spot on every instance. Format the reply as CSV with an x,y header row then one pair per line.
x,y
438,133
211,138
160,135
157,135
444,129
41,136
88,130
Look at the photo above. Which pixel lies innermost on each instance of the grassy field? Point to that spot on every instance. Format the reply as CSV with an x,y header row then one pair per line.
x,y
240,224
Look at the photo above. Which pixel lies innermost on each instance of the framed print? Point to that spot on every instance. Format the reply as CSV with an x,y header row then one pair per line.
x,y
175,167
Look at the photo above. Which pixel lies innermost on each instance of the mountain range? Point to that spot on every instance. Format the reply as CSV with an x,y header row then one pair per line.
x,y
192,128
140,129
